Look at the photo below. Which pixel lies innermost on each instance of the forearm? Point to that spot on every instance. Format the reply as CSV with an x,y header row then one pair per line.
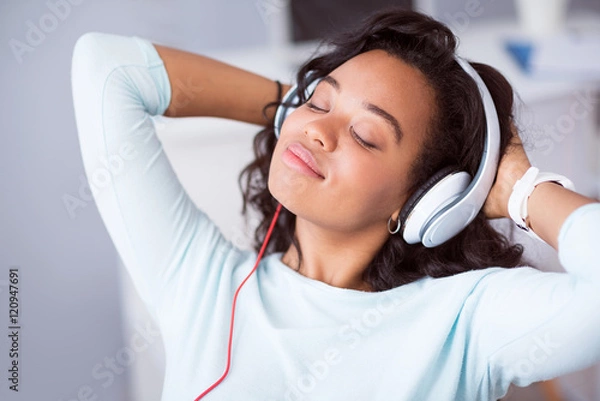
x,y
549,206
202,86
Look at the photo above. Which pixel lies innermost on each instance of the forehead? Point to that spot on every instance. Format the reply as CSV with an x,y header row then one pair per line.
x,y
376,62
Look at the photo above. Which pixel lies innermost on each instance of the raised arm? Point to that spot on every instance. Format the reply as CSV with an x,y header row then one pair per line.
x,y
527,325
223,90
119,86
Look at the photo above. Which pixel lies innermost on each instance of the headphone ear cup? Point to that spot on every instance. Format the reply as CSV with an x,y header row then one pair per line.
x,y
439,190
410,204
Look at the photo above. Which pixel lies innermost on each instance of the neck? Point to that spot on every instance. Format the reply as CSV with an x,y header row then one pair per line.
x,y
334,257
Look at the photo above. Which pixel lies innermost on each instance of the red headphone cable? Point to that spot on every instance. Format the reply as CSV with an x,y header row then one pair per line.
x,y
260,254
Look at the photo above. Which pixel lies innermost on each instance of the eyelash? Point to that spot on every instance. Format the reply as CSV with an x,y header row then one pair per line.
x,y
356,137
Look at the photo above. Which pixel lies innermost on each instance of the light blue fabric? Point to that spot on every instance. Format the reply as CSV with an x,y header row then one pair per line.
x,y
465,337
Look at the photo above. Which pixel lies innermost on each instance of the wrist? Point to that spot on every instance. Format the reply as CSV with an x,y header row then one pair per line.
x,y
538,193
522,191
519,196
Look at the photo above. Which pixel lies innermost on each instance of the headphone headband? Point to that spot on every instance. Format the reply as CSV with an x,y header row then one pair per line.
x,y
290,97
455,216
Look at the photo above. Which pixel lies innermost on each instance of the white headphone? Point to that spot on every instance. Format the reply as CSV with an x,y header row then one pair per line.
x,y
447,202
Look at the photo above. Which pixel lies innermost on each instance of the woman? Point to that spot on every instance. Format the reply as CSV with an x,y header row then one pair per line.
x,y
339,308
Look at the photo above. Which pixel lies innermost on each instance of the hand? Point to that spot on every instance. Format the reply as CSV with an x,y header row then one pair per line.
x,y
513,164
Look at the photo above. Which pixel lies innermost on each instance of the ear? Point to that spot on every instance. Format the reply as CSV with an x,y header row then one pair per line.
x,y
396,214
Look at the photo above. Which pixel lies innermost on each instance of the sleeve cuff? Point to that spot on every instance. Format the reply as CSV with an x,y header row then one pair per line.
x,y
158,72
578,238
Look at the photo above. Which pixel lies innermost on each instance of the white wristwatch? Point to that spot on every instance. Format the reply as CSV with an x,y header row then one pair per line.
x,y
517,203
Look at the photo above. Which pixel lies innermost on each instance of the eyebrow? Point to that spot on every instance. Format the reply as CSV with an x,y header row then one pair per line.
x,y
372,108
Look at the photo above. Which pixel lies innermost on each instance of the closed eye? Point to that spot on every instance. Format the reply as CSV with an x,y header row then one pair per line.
x,y
356,137
361,141
311,105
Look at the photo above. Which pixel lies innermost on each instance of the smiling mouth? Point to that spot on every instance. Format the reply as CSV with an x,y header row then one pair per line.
x,y
300,159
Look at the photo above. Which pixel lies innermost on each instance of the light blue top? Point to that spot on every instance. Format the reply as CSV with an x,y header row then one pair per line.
x,y
464,337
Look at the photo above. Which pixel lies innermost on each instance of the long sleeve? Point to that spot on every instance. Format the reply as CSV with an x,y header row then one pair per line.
x,y
119,84
530,325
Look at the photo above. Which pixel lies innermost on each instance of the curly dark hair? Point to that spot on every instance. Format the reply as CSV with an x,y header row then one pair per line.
x,y
455,138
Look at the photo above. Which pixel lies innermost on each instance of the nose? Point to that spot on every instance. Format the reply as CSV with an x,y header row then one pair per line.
x,y
322,132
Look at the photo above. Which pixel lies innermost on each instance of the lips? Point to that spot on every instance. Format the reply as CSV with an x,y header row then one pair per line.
x,y
301,159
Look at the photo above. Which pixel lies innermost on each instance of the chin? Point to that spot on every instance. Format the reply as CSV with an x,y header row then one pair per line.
x,y
287,187
281,195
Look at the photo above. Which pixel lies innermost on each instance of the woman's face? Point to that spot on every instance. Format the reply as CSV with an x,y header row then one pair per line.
x,y
343,158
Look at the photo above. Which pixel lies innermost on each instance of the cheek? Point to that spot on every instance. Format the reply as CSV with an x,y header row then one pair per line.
x,y
292,122
274,173
376,188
